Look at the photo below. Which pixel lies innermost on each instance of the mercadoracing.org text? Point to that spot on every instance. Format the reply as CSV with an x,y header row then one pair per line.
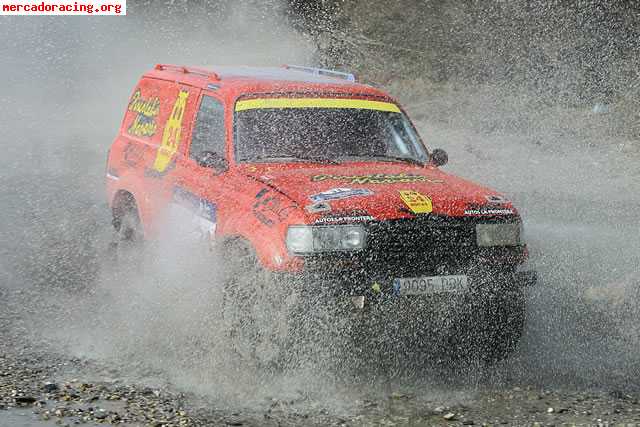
x,y
63,7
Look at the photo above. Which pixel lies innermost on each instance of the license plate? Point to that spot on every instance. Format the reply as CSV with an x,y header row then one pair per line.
x,y
430,285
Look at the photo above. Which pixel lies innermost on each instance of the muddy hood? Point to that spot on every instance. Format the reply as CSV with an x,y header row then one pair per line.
x,y
381,191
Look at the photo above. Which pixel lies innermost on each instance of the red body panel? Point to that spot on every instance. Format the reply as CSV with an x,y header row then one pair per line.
x,y
149,159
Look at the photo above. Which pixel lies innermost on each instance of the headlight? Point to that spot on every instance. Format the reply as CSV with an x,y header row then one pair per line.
x,y
304,239
510,234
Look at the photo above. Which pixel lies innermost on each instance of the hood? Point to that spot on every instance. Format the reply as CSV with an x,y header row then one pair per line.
x,y
379,191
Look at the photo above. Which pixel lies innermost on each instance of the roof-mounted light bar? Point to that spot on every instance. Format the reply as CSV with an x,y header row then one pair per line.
x,y
188,70
322,72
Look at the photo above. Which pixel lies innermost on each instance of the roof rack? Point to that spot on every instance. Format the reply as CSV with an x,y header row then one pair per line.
x,y
322,72
188,70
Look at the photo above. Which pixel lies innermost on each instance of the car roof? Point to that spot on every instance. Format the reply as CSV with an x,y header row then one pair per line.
x,y
276,74
242,80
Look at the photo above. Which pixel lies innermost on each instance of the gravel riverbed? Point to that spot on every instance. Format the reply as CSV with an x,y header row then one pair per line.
x,y
40,386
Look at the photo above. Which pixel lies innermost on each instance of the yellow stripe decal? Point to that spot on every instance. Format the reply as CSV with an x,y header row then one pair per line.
x,y
361,104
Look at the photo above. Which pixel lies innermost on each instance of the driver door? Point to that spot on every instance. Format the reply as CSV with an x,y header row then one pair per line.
x,y
198,185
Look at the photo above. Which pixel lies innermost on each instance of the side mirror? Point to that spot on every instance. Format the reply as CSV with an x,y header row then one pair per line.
x,y
439,157
212,160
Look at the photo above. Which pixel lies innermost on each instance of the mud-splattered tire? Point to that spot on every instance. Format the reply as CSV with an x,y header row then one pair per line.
x,y
126,220
127,235
501,325
254,312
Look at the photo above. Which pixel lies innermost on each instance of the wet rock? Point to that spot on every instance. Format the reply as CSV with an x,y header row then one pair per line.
x,y
234,421
24,400
398,396
370,404
50,387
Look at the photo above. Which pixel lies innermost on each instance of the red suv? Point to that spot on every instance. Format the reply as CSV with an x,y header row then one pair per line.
x,y
311,175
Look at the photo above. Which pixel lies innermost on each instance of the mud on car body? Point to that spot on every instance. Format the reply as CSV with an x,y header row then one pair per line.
x,y
317,177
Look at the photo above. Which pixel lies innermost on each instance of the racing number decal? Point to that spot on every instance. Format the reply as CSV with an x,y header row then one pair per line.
x,y
418,203
171,135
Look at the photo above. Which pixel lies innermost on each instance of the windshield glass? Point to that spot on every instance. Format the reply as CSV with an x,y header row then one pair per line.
x,y
317,129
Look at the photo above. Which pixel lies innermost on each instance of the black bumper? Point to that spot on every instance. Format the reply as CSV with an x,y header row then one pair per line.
x,y
419,247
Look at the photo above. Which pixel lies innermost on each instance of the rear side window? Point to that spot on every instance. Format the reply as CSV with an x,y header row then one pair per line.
x,y
208,133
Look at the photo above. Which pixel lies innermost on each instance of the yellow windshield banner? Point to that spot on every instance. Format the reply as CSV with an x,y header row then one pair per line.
x,y
360,104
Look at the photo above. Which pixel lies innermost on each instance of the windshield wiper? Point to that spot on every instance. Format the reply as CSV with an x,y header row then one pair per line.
x,y
390,159
300,159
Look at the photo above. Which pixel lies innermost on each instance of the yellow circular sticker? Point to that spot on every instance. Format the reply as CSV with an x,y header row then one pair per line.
x,y
418,203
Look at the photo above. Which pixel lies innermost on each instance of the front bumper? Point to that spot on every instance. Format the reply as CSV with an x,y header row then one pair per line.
x,y
487,269
419,247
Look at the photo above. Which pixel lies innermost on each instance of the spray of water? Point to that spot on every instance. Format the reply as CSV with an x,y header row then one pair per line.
x,y
160,309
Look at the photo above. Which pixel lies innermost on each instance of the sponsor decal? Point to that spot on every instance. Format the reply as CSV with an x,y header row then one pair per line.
x,y
341,219
318,207
171,135
416,202
271,207
359,104
356,215
202,212
378,178
133,154
147,110
340,193
487,210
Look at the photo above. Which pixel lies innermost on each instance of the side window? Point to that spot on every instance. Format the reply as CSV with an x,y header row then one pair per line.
x,y
208,133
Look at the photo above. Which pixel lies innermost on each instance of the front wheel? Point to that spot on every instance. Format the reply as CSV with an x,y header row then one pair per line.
x,y
255,307
500,322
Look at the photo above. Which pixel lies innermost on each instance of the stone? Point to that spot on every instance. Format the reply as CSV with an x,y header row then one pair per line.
x,y
449,416
233,421
50,387
397,396
25,400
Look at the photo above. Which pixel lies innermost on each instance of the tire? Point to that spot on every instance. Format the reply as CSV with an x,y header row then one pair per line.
x,y
254,310
127,236
126,220
323,329
485,326
501,323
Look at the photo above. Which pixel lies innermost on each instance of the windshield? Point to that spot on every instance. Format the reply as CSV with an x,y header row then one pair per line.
x,y
331,130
